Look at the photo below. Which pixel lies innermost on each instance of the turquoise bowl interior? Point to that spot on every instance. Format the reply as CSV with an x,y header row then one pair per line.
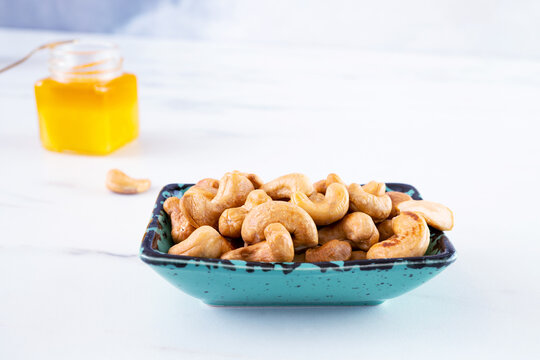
x,y
240,283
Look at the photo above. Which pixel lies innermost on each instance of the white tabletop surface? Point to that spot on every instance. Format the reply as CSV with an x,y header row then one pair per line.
x,y
463,130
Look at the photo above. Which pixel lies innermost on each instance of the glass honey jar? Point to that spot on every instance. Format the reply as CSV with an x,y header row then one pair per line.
x,y
87,105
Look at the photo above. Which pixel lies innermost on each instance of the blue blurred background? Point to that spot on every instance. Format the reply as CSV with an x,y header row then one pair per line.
x,y
461,27
72,15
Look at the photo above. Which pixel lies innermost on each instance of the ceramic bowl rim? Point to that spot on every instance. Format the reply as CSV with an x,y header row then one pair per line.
x,y
152,256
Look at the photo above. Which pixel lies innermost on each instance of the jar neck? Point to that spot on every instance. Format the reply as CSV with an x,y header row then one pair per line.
x,y
84,61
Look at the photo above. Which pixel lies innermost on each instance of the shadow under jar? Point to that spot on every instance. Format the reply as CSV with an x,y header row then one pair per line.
x,y
87,105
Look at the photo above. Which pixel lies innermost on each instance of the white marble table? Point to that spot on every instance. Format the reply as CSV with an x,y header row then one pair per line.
x,y
463,130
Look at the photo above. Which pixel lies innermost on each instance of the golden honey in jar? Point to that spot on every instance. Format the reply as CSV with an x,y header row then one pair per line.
x,y
88,105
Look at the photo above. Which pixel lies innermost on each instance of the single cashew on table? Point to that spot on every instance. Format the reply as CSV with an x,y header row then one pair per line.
x,y
120,183
291,219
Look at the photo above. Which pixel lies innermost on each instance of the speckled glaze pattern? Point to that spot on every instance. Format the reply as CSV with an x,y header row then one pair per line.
x,y
241,283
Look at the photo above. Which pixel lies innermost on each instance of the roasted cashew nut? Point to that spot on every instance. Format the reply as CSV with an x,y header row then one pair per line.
x,y
332,208
411,238
295,219
436,215
300,257
200,207
374,204
120,183
321,185
334,250
255,179
284,186
375,188
277,247
317,197
385,229
180,226
397,198
230,221
358,255
357,227
205,242
209,184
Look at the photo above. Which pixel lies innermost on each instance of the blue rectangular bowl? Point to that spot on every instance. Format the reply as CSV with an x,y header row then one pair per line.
x,y
240,283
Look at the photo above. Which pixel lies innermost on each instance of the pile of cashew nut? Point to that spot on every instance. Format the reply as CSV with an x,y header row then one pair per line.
x,y
292,219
